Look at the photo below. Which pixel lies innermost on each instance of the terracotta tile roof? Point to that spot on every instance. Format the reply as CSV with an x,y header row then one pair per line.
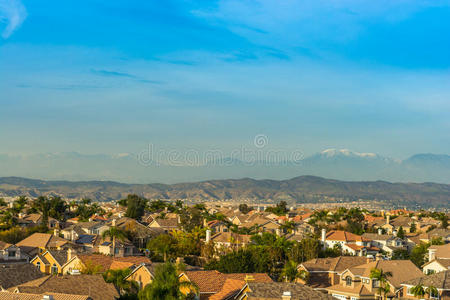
x,y
25,296
213,281
439,280
91,285
339,235
15,274
107,261
275,290
229,288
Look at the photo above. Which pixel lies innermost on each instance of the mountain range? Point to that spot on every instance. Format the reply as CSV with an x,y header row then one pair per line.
x,y
340,164
303,189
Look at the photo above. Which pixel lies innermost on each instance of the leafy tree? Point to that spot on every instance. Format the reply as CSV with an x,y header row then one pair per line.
x,y
444,222
291,272
304,250
413,228
418,291
135,206
280,209
244,208
3,202
179,203
401,233
90,268
163,245
383,284
191,218
240,261
400,254
156,205
115,233
432,291
117,277
166,285
418,253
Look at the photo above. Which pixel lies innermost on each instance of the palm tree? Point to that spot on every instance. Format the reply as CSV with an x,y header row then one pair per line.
x,y
383,284
115,233
290,272
117,277
418,291
431,291
166,285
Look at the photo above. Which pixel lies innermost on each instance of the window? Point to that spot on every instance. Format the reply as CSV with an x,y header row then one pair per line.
x,y
11,253
38,265
54,269
409,292
434,295
348,280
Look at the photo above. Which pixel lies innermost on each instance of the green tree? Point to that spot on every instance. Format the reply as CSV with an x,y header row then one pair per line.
x,y
418,291
166,285
3,202
304,250
400,254
401,233
382,278
164,245
444,222
280,209
115,233
244,208
117,277
291,272
418,253
190,218
135,206
413,228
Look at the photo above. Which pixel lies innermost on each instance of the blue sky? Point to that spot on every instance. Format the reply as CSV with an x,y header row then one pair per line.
x,y
112,76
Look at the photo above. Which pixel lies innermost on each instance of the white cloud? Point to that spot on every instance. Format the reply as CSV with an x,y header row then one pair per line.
x,y
12,13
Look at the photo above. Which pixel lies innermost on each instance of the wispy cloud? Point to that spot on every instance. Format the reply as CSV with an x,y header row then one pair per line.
x,y
113,74
108,73
12,13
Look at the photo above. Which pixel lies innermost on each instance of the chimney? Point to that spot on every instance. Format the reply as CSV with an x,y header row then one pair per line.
x,y
380,231
286,296
208,236
388,219
69,254
278,232
113,223
431,254
378,257
178,219
394,233
47,297
56,232
324,235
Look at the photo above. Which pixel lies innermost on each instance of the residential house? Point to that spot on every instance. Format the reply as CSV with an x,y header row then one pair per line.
x,y
10,253
385,242
143,274
140,234
40,242
93,286
392,226
212,282
438,259
325,272
350,243
102,263
355,282
32,220
278,290
439,281
5,295
167,225
216,226
16,274
53,261
225,241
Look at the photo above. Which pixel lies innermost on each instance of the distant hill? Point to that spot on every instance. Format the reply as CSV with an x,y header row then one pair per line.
x,y
340,164
298,189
